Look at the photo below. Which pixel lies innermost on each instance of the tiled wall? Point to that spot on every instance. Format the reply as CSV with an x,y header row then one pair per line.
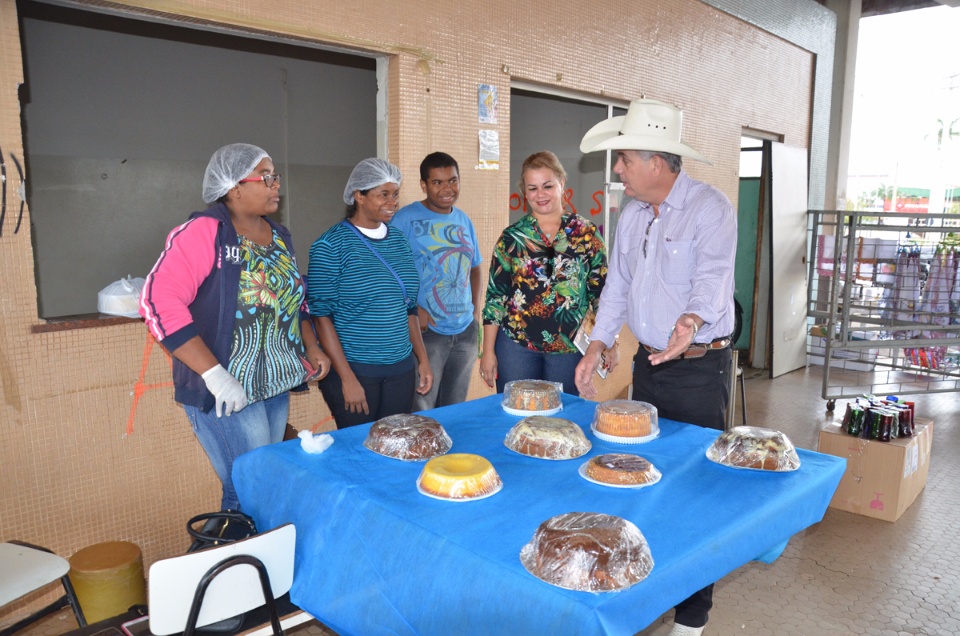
x,y
70,473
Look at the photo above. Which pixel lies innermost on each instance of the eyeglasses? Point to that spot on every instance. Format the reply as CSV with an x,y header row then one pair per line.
x,y
268,179
646,235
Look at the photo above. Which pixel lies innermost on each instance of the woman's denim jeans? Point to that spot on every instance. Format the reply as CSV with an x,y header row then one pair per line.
x,y
516,362
226,438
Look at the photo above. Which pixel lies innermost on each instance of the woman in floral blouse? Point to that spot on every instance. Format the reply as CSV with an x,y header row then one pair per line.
x,y
547,271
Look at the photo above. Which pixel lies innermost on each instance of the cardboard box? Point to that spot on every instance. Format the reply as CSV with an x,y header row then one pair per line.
x,y
882,478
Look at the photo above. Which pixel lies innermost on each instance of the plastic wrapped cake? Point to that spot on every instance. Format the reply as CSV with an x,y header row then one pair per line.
x,y
588,552
625,422
547,437
754,447
621,470
532,397
459,476
408,437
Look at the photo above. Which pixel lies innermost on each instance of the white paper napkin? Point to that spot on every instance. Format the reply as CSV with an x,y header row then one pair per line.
x,y
314,444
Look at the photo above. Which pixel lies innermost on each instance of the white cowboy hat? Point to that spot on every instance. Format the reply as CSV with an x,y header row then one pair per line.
x,y
648,125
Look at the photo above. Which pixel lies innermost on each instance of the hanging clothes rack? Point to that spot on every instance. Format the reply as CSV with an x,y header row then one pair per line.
x,y
884,302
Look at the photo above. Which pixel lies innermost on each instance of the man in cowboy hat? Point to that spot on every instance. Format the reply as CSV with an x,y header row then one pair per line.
x,y
670,280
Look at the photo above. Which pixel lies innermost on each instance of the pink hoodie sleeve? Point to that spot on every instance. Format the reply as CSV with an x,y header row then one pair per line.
x,y
187,259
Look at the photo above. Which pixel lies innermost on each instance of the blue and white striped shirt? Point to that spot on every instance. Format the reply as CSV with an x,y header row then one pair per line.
x,y
351,286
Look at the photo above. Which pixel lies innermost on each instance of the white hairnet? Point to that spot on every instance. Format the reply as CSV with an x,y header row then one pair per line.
x,y
227,166
370,173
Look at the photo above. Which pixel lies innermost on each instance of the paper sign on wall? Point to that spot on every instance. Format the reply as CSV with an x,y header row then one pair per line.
x,y
487,103
489,150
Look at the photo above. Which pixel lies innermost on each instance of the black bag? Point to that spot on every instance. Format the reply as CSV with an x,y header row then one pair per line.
x,y
220,528
737,323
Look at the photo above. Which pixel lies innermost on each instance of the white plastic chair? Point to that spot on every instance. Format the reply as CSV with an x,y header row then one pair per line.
x,y
25,568
214,584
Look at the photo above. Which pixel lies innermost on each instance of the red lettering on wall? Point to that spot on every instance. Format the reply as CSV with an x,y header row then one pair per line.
x,y
518,202
568,198
598,199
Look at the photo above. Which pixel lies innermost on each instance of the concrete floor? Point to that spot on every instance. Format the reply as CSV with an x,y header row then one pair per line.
x,y
846,575
849,574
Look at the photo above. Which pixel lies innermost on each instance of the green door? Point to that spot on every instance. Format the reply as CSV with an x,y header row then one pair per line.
x,y
745,268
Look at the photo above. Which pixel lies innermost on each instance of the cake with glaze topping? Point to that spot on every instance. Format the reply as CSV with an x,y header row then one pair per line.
x,y
547,437
621,469
459,476
754,447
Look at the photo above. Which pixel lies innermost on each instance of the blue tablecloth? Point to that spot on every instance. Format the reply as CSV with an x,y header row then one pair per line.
x,y
374,556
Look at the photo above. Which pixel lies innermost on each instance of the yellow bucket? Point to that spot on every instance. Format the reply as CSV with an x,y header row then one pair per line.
x,y
108,579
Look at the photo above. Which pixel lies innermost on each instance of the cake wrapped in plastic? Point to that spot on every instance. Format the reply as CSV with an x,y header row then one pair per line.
x,y
754,447
547,437
620,469
625,422
532,397
588,552
408,437
459,476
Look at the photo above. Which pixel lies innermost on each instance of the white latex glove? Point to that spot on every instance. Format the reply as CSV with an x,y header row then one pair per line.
x,y
227,390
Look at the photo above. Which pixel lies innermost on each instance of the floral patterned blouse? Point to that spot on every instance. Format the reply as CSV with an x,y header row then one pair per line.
x,y
540,290
267,355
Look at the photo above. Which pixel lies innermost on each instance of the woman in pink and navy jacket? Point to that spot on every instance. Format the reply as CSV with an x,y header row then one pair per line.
x,y
226,299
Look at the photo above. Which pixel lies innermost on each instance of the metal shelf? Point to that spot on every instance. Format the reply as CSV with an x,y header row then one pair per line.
x,y
883,302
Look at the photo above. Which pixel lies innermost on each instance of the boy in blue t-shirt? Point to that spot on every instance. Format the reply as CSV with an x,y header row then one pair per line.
x,y
447,256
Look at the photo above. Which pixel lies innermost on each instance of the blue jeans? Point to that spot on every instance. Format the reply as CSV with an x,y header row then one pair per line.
x,y
226,438
452,360
516,362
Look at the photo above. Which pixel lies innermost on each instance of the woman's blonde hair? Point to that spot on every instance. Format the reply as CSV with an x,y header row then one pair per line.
x,y
542,159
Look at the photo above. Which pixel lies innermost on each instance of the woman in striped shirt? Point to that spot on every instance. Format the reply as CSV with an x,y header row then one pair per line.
x,y
362,294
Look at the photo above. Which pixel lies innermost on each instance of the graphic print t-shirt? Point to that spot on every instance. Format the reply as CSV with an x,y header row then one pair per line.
x,y
444,249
